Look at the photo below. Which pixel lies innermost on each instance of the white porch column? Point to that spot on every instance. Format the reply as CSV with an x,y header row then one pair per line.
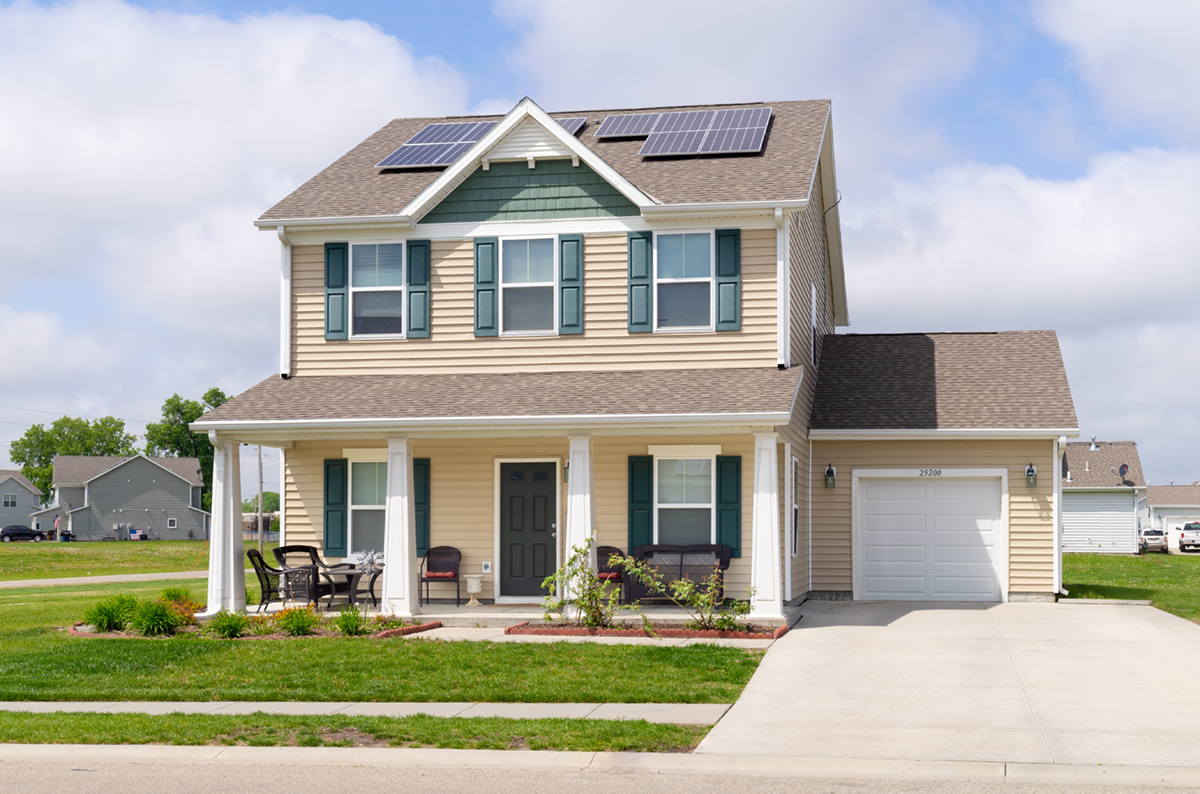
x,y
400,533
581,499
226,566
765,548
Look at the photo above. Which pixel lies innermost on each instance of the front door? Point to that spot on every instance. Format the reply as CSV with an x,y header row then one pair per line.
x,y
528,527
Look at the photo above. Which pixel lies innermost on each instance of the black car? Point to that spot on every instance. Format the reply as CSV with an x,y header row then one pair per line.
x,y
19,532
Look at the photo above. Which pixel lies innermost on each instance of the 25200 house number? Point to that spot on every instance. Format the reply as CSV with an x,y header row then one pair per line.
x,y
931,473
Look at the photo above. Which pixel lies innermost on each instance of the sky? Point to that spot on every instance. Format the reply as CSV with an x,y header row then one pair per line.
x,y
1002,166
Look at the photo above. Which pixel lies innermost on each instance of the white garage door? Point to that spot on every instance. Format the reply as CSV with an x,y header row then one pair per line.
x,y
1099,522
934,539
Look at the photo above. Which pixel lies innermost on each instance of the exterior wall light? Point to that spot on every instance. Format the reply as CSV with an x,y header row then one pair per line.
x,y
1031,476
830,477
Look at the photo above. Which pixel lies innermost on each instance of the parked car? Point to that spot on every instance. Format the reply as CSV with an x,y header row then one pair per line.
x,y
1189,536
20,532
1153,540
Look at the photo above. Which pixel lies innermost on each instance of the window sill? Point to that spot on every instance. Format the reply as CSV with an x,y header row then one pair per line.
x,y
527,334
376,337
688,330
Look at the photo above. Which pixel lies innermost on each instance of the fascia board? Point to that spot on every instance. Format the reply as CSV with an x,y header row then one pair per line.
x,y
945,433
1097,488
719,209
342,222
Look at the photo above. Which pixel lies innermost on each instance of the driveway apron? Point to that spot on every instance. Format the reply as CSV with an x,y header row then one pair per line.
x,y
1023,682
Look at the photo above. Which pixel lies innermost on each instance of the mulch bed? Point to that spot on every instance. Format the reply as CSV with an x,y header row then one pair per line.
x,y
575,630
194,631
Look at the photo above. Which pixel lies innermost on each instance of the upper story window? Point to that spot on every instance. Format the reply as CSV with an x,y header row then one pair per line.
x,y
377,290
528,287
10,500
683,278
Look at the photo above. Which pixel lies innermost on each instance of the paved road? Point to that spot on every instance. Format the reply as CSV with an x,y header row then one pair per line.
x,y
1032,683
121,577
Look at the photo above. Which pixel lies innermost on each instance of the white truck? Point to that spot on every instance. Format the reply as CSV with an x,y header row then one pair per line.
x,y
1189,536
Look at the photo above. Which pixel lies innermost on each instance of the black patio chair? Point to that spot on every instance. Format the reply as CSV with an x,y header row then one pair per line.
x,y
296,558
607,572
440,564
269,579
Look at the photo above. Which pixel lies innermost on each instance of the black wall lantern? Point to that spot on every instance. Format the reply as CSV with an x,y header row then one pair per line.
x,y
1031,476
830,477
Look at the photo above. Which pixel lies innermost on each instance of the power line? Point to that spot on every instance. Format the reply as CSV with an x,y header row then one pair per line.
x,y
64,413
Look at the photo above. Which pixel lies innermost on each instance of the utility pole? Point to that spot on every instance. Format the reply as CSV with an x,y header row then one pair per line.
x,y
260,501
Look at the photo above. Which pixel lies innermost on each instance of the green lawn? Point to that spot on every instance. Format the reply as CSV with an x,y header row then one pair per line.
x,y
1170,582
53,560
268,730
38,661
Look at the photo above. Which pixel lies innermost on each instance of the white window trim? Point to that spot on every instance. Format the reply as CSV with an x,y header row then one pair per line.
x,y
402,289
553,331
13,497
712,496
172,523
712,285
353,456
794,513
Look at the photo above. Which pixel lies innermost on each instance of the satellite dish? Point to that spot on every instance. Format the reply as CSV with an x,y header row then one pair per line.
x,y
1124,470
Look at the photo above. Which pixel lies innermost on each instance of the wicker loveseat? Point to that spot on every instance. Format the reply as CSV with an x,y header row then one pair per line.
x,y
694,562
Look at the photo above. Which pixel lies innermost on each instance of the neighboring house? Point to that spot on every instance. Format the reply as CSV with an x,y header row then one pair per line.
x,y
97,497
548,333
18,499
1102,484
1169,507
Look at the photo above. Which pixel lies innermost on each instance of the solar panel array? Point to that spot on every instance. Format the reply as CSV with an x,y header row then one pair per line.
x,y
692,131
442,144
631,125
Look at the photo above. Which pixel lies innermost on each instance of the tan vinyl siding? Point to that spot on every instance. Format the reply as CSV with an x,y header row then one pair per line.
x,y
809,262
795,433
605,344
462,487
1031,510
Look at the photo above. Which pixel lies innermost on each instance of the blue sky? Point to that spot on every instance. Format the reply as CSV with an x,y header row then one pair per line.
x,y
1003,166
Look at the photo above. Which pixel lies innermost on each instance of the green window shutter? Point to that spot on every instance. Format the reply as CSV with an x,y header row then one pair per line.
x,y
336,507
729,280
418,289
337,292
487,286
641,501
421,500
570,283
729,502
641,283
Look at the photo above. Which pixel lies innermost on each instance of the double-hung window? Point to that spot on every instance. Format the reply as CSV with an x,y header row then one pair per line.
x,y
368,489
686,493
10,500
683,280
528,287
377,289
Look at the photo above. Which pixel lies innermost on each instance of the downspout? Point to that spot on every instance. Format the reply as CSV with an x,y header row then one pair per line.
x,y
1059,443
285,304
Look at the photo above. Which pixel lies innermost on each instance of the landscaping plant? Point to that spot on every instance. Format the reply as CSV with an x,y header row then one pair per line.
x,y
353,622
709,611
297,621
180,600
587,598
261,625
229,625
111,614
156,618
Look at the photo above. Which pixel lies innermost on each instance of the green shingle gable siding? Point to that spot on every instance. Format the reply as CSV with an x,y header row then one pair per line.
x,y
515,192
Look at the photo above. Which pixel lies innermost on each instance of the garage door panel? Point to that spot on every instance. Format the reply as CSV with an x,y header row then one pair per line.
x,y
877,553
910,587
952,490
895,522
974,524
978,586
959,554
880,490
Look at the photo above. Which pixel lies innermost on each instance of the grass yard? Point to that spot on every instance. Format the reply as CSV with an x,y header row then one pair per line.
x,y
269,730
55,560
38,661
1170,581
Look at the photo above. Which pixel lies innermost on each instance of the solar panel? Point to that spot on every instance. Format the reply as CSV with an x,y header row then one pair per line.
x,y
572,125
685,121
681,142
708,132
437,144
630,125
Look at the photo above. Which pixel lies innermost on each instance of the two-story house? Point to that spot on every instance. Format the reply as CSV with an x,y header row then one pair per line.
x,y
511,334
18,499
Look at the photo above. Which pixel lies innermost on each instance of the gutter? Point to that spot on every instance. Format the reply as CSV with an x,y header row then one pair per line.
x,y
941,433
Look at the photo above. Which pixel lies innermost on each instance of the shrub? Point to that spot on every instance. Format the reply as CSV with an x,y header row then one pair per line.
x,y
229,625
700,599
353,622
176,594
298,621
156,618
261,625
594,601
111,614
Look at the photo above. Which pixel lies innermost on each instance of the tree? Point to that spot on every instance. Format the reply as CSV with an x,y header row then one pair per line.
x,y
70,435
173,438
270,503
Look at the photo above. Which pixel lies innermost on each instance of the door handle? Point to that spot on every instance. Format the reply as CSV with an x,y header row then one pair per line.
x,y
554,534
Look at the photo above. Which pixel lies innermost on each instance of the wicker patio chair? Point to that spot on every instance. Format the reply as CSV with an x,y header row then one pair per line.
x,y
269,579
440,564
303,582
606,572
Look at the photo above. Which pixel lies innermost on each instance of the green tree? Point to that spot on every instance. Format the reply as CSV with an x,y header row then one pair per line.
x,y
70,435
270,503
173,438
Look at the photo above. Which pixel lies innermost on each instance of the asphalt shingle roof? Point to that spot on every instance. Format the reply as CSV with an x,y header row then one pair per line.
x,y
685,391
1010,379
78,469
352,186
1094,468
19,477
1165,495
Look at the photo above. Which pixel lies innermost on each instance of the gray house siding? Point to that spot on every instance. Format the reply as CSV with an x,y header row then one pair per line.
x,y
27,502
143,496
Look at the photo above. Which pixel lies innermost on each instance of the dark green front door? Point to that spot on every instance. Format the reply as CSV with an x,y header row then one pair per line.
x,y
528,527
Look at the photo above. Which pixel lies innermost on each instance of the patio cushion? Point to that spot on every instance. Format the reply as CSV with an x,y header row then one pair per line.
x,y
608,575
441,575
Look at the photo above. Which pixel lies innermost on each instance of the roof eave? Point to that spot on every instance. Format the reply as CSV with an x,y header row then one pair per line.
x,y
898,434
833,225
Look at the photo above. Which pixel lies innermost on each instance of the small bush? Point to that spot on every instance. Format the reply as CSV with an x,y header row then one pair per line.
x,y
261,625
111,614
156,618
180,600
229,625
298,621
353,622
176,594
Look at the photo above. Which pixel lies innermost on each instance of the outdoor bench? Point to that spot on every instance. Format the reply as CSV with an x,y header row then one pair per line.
x,y
695,562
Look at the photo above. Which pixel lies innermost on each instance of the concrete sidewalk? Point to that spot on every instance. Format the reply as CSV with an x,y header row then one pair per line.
x,y
678,713
112,579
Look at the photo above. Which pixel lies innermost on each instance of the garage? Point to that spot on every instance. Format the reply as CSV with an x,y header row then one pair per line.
x,y
929,538
1099,521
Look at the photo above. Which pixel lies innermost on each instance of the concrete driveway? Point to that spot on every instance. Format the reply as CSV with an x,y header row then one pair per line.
x,y
1034,683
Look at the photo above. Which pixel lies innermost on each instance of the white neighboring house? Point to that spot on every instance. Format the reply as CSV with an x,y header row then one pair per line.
x,y
1102,484
1169,507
